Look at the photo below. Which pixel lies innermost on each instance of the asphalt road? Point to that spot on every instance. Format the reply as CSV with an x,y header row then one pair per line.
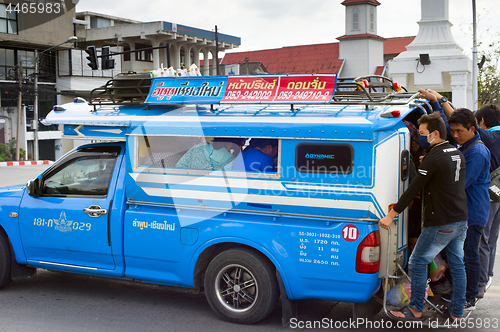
x,y
14,175
56,301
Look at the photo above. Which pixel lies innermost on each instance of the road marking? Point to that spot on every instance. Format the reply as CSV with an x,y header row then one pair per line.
x,y
492,294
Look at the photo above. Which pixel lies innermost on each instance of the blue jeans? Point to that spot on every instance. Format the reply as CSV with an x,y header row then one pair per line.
x,y
488,246
472,260
431,241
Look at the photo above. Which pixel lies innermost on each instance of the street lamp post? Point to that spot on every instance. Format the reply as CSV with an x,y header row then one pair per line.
x,y
474,58
35,106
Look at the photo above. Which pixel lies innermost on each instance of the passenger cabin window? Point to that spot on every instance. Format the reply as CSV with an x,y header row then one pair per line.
x,y
86,172
329,158
236,154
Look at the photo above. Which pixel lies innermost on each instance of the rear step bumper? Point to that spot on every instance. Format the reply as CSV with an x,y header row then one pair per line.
x,y
433,310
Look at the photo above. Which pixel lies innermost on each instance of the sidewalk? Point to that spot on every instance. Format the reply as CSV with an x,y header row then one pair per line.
x,y
26,163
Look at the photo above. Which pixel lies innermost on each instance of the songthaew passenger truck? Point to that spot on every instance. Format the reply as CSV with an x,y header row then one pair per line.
x,y
125,206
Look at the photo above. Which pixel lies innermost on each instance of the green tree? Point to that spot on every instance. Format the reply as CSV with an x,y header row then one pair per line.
x,y
8,151
489,75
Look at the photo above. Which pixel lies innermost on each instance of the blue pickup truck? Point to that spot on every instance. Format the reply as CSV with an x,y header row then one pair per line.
x,y
139,203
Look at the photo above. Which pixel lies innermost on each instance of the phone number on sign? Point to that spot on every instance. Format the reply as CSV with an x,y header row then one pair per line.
x,y
303,95
45,7
250,95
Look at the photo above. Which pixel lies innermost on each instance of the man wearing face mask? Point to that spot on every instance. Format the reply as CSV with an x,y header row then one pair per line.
x,y
462,125
441,178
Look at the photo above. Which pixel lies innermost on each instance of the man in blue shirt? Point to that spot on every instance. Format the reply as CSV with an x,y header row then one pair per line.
x,y
477,181
258,157
488,119
462,126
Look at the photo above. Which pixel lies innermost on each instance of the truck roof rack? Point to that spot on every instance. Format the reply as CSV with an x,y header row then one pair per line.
x,y
133,88
130,88
372,89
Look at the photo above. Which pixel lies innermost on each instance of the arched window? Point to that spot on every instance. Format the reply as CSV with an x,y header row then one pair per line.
x,y
355,18
372,19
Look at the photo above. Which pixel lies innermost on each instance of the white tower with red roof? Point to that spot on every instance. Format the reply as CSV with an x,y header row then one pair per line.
x,y
361,47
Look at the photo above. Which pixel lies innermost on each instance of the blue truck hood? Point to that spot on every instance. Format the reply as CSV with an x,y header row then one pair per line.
x,y
11,189
10,198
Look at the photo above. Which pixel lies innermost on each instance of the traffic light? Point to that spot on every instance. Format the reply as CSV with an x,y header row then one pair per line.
x,y
106,62
92,57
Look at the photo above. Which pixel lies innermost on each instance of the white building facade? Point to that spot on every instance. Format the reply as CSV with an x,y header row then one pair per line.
x,y
449,68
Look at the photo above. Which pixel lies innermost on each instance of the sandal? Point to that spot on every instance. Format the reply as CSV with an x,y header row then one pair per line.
x,y
447,314
408,315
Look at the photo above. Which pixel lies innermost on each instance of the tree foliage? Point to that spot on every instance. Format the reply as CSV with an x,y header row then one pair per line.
x,y
8,151
489,75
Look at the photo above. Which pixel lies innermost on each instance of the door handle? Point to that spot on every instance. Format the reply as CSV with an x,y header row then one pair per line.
x,y
95,211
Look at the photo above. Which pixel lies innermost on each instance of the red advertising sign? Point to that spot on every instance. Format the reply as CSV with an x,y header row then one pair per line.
x,y
291,89
306,89
251,89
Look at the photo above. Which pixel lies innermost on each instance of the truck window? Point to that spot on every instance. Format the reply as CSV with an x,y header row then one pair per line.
x,y
164,151
87,173
329,158
205,153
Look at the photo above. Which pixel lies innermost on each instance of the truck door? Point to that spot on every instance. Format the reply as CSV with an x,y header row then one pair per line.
x,y
68,223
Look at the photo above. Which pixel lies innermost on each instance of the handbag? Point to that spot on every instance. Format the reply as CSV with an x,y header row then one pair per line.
x,y
494,188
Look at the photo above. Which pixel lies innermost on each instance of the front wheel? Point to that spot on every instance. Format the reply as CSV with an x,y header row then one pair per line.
x,y
241,286
5,261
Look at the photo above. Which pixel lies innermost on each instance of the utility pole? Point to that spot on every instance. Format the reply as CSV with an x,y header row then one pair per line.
x,y
35,106
19,109
216,50
35,111
474,58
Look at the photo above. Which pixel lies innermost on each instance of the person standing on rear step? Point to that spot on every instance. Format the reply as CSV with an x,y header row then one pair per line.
x,y
462,125
488,120
441,178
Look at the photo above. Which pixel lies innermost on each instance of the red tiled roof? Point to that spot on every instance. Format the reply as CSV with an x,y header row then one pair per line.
x,y
380,70
355,2
397,45
209,62
364,35
318,58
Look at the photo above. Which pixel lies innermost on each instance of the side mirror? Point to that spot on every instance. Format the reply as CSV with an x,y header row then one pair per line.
x,y
32,187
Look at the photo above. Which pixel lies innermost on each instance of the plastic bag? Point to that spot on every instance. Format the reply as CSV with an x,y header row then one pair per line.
x,y
437,268
163,72
182,72
193,70
400,295
170,72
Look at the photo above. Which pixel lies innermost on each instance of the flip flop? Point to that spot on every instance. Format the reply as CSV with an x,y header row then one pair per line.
x,y
408,315
447,314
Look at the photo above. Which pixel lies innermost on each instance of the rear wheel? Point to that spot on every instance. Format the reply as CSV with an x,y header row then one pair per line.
x,y
5,261
241,286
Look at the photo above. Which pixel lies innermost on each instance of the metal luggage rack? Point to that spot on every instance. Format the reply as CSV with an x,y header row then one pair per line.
x,y
372,89
130,88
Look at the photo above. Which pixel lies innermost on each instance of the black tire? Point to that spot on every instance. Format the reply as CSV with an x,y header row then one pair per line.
x,y
5,261
241,286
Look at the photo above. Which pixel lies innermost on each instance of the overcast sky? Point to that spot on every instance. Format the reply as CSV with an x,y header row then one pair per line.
x,y
264,24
